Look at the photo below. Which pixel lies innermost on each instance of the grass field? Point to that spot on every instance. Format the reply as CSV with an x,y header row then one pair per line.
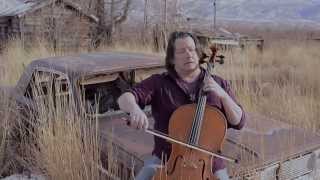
x,y
282,82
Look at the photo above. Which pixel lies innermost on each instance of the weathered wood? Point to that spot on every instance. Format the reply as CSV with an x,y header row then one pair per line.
x,y
59,23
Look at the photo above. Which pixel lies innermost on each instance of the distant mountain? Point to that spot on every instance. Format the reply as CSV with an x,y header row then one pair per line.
x,y
257,10
4,4
292,12
272,11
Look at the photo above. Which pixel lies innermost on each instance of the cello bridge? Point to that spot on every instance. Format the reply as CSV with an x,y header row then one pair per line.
x,y
190,164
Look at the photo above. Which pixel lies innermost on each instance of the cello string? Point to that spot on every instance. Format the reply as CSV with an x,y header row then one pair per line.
x,y
191,135
193,128
198,119
195,121
202,104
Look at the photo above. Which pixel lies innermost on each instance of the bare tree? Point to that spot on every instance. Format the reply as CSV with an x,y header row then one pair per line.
x,y
164,25
111,14
145,21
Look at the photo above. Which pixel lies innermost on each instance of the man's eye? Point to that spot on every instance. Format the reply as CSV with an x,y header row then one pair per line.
x,y
180,51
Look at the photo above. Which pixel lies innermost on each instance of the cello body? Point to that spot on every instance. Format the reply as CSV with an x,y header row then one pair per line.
x,y
200,125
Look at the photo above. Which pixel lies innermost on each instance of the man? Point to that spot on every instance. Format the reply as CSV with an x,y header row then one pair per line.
x,y
178,86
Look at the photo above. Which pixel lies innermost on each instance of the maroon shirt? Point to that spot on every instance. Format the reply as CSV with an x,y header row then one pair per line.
x,y
166,92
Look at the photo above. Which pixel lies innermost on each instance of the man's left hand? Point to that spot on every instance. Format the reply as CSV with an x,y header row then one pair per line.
x,y
210,85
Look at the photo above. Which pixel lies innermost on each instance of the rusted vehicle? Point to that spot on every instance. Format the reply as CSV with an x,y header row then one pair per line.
x,y
266,148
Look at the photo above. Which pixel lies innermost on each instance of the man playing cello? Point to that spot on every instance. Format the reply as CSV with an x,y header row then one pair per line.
x,y
179,86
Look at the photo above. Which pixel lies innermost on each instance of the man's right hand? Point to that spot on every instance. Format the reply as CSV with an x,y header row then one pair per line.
x,y
138,119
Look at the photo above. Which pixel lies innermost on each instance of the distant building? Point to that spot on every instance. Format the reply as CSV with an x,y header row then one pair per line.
x,y
316,39
225,40
61,23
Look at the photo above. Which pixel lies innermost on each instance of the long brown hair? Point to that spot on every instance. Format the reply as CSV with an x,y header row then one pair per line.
x,y
171,47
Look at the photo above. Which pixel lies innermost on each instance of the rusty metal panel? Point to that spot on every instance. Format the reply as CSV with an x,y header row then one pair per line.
x,y
138,143
271,141
297,167
126,163
131,146
90,64
110,62
306,177
270,172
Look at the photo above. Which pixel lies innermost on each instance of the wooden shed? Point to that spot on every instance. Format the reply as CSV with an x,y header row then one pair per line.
x,y
60,23
227,40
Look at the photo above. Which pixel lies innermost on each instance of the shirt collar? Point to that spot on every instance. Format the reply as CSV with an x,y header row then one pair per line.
x,y
175,76
178,81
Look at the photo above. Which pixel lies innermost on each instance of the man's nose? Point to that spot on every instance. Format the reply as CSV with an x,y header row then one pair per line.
x,y
189,53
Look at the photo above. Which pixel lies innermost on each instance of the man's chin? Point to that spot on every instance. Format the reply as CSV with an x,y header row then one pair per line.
x,y
191,69
191,66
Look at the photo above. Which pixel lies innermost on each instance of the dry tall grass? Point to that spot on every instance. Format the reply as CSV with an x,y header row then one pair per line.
x,y
55,139
5,130
15,58
283,82
63,140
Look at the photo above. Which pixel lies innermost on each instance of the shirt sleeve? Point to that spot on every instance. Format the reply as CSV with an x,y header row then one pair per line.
x,y
227,87
144,91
